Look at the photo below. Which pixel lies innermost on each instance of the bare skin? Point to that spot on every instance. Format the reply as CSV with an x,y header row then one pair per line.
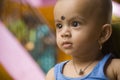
x,y
80,35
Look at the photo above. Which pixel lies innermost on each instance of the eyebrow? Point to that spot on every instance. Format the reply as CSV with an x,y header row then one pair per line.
x,y
78,17
73,18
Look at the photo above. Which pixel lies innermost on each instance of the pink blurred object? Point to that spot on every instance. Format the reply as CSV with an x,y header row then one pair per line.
x,y
116,9
37,3
16,60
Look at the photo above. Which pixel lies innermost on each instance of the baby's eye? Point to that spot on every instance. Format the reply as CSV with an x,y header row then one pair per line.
x,y
59,26
75,23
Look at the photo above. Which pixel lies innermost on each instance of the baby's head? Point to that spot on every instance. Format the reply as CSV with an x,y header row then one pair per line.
x,y
93,17
95,10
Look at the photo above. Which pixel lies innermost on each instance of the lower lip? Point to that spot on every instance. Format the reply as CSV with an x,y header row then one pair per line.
x,y
67,45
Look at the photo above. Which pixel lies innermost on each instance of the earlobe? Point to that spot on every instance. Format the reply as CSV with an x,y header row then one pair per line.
x,y
106,32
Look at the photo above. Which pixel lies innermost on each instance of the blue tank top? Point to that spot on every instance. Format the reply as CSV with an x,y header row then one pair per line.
x,y
96,74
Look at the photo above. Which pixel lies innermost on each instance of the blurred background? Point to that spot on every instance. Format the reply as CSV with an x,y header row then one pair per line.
x,y
27,38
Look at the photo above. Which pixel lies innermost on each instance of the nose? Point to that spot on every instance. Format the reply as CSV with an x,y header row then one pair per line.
x,y
66,32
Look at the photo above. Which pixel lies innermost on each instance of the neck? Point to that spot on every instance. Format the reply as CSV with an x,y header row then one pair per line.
x,y
87,58
84,64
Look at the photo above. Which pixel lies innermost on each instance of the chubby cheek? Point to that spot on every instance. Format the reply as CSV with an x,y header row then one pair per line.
x,y
58,40
84,42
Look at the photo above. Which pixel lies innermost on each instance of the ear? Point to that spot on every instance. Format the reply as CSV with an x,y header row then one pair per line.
x,y
105,34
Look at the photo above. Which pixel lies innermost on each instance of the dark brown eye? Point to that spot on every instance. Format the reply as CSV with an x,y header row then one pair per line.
x,y
59,26
75,23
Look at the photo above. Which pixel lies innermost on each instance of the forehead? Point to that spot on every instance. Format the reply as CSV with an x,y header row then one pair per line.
x,y
83,8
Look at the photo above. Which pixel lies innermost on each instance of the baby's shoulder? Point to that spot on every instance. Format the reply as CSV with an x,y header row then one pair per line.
x,y
115,61
50,74
115,64
113,69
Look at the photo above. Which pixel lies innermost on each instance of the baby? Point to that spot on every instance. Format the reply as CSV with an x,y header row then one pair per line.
x,y
82,27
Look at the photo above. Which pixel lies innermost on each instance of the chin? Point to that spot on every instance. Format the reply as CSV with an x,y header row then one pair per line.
x,y
72,53
68,52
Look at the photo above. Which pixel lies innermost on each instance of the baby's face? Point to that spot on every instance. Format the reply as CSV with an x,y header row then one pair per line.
x,y
76,28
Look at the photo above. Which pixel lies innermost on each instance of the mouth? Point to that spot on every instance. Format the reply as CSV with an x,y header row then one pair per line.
x,y
67,45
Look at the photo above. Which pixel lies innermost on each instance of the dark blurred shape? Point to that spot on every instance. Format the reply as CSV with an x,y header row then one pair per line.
x,y
113,44
117,1
1,7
